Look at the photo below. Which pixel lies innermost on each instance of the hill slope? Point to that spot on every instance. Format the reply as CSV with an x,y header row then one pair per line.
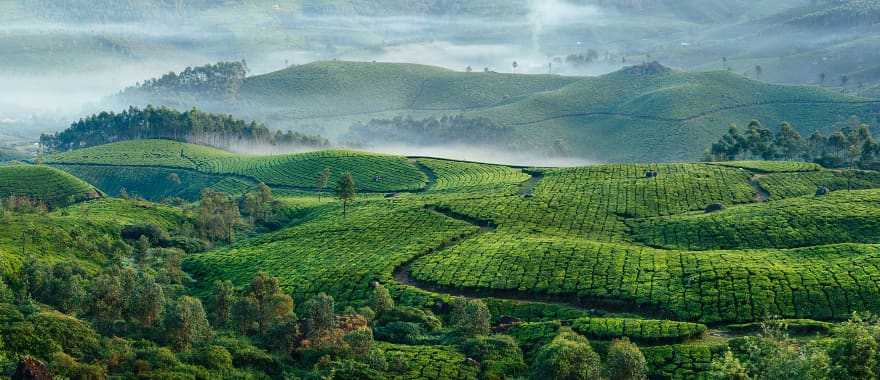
x,y
676,113
372,172
51,186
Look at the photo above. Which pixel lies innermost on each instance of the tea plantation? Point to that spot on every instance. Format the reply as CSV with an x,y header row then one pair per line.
x,y
666,255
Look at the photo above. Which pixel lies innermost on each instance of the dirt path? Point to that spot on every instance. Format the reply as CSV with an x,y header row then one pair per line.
x,y
527,188
761,194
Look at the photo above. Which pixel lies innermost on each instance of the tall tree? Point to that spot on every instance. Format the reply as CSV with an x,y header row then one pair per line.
x,y
263,305
187,323
345,191
322,180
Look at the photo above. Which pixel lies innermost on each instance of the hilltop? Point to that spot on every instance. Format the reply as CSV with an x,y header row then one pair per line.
x,y
608,118
43,184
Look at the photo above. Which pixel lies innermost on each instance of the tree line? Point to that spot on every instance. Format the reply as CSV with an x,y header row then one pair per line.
x,y
219,81
194,126
852,146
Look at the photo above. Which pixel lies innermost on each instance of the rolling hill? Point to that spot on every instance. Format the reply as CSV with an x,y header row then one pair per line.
x,y
607,118
51,186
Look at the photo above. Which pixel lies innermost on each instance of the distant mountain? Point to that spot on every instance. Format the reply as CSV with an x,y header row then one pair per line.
x,y
641,113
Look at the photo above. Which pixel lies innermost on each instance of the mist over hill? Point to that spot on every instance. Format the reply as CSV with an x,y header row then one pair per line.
x,y
61,60
642,112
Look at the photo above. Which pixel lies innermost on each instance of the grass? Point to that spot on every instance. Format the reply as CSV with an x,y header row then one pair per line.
x,y
51,186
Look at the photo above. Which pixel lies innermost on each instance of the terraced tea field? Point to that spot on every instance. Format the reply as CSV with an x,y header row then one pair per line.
x,y
54,187
372,172
608,250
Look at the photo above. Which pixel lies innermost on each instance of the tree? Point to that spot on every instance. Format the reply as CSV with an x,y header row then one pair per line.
x,y
854,351
844,79
822,78
758,71
515,66
567,357
345,191
470,316
789,141
469,69
380,299
224,298
263,305
218,216
728,368
625,361
321,181
148,301
187,323
320,316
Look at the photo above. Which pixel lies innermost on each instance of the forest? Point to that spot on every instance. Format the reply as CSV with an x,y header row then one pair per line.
x,y
851,146
194,126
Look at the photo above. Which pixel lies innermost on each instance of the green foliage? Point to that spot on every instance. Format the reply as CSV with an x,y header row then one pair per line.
x,y
625,361
728,368
569,357
165,123
499,356
73,336
50,186
682,361
641,330
854,353
785,185
380,299
426,362
187,323
470,316
152,183
839,217
292,170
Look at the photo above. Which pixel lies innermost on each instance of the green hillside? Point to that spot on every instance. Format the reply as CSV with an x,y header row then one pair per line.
x,y
372,172
676,113
52,186
608,251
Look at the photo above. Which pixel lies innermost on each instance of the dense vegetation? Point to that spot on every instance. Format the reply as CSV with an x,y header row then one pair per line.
x,y
193,126
480,272
853,145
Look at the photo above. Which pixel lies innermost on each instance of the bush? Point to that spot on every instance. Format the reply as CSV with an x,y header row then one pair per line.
x,y
568,357
500,357
400,332
75,337
425,319
156,234
625,361
215,357
470,316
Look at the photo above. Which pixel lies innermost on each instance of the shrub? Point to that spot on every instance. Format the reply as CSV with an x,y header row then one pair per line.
x,y
75,337
156,234
470,316
215,357
625,361
567,357
728,368
499,355
400,332
410,314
